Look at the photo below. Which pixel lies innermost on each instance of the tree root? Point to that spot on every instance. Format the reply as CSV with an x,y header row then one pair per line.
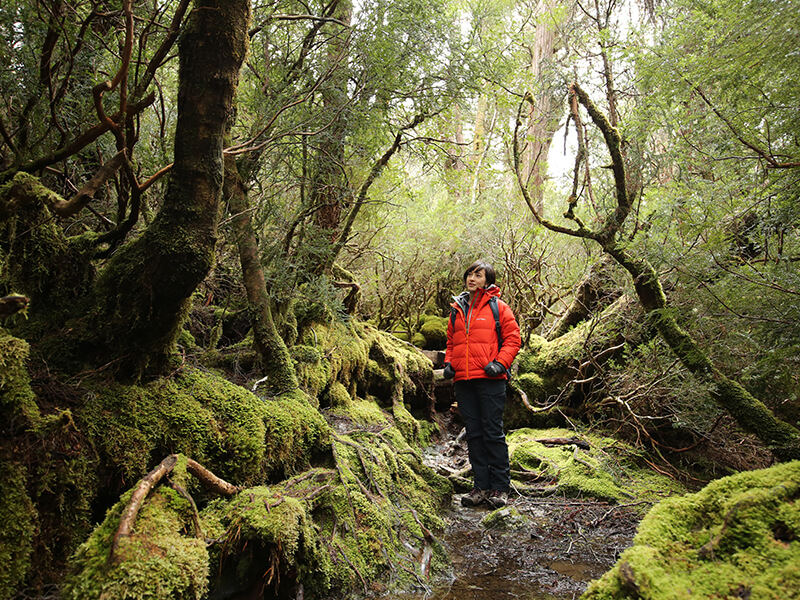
x,y
152,479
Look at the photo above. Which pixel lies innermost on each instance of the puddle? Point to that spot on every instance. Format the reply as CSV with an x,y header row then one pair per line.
x,y
578,572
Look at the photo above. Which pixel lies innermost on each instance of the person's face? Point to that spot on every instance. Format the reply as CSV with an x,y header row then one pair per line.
x,y
476,280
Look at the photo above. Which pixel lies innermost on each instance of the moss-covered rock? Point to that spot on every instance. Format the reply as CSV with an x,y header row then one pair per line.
x,y
434,332
739,537
507,518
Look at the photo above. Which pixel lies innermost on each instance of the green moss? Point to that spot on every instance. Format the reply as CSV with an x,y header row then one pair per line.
x,y
434,332
344,528
337,396
362,412
737,537
162,558
313,370
294,432
264,529
241,437
195,413
16,397
591,472
409,426
19,518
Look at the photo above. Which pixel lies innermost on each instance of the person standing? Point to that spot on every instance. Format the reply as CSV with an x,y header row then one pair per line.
x,y
480,350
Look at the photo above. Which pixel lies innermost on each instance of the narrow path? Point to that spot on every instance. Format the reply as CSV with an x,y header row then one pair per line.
x,y
539,549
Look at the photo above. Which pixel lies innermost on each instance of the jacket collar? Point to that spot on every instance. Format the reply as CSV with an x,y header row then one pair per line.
x,y
462,300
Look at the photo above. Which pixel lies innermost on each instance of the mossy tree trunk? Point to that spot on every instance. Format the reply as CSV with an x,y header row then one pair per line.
x,y
268,343
750,413
140,299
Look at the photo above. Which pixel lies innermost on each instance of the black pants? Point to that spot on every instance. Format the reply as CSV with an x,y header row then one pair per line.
x,y
481,403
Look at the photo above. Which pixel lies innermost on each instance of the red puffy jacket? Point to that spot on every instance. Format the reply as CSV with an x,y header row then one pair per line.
x,y
472,337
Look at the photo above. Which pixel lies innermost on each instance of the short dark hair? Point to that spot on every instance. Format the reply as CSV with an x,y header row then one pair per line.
x,y
488,270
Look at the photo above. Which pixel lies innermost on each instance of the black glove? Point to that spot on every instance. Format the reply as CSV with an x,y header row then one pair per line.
x,y
494,369
449,372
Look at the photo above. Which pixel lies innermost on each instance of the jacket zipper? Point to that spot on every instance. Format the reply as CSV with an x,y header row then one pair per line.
x,y
470,308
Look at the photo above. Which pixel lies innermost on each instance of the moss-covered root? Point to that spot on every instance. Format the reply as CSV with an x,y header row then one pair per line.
x,y
368,519
151,544
366,522
157,560
739,537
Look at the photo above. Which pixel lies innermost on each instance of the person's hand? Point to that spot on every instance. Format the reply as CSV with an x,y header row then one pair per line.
x,y
494,369
449,372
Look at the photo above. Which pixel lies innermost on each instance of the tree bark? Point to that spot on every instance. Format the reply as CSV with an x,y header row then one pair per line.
x,y
142,296
330,194
542,116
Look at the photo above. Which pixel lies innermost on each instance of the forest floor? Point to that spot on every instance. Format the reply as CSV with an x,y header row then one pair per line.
x,y
534,549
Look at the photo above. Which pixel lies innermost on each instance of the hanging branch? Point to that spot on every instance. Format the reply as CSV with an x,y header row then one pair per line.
x,y
771,161
374,173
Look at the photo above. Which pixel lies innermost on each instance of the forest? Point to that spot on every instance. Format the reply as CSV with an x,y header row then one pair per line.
x,y
231,233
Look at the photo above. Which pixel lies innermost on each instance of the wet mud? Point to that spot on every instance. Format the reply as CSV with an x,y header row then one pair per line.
x,y
549,551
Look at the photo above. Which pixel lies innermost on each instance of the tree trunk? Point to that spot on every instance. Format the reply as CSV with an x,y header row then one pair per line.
x,y
542,117
750,413
142,296
270,345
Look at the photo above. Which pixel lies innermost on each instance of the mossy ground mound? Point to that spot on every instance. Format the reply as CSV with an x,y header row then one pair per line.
x,y
557,461
739,537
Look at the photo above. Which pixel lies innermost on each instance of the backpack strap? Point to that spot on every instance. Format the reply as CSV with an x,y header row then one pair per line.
x,y
496,313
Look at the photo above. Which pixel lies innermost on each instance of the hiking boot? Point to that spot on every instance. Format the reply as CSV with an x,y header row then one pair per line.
x,y
475,497
498,499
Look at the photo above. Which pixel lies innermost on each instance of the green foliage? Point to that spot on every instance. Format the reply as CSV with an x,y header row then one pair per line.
x,y
738,536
